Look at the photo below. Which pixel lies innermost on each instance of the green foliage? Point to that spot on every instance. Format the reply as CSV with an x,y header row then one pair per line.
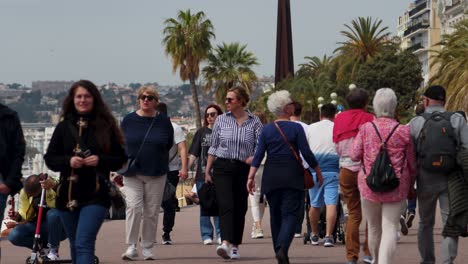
x,y
452,64
229,65
400,71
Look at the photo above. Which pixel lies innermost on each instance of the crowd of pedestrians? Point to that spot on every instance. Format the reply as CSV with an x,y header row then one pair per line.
x,y
367,163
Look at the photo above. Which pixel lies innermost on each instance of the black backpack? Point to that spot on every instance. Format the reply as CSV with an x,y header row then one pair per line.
x,y
382,177
437,145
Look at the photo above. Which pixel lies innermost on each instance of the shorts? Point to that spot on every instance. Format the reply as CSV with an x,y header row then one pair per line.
x,y
327,194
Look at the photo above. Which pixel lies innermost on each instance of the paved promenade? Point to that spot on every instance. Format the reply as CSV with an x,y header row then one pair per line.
x,y
189,249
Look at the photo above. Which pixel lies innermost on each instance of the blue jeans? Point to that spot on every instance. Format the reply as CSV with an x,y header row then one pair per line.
x,y
82,226
206,228
23,234
285,207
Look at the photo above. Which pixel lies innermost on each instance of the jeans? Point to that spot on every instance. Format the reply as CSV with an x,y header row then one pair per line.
x,y
285,207
206,228
82,226
170,205
3,200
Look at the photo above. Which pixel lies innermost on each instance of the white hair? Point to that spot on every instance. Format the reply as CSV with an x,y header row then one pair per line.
x,y
277,101
384,103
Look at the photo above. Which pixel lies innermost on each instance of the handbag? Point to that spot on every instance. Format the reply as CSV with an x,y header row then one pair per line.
x,y
308,180
131,168
169,191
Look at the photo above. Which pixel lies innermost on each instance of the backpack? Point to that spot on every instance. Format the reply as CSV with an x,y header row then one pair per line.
x,y
382,177
437,144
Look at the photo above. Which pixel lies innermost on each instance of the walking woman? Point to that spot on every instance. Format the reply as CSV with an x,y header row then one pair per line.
x,y
382,209
199,151
85,146
149,136
283,174
233,141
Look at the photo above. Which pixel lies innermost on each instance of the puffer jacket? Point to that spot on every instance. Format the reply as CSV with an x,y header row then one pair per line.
x,y
12,149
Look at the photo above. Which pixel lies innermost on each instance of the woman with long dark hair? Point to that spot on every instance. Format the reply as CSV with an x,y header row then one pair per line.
x,y
199,151
85,146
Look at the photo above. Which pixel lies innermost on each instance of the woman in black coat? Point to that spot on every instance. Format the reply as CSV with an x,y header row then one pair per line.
x,y
85,146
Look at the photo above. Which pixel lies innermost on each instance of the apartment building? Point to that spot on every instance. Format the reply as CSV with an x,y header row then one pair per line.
x,y
451,12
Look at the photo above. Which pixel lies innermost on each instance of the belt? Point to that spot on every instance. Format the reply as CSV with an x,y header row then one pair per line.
x,y
230,160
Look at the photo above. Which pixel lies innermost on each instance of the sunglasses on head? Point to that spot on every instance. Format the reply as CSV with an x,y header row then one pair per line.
x,y
228,100
147,97
212,114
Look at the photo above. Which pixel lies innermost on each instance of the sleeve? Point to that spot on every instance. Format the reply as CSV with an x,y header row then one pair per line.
x,y
357,147
55,158
214,137
260,150
195,148
411,159
462,131
170,131
115,159
179,134
305,149
13,179
258,130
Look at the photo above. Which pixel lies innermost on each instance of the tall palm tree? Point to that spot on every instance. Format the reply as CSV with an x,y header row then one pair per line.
x,y
187,41
229,65
316,66
364,39
452,66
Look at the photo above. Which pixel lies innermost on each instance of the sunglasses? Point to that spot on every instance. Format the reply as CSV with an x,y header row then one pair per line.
x,y
212,114
147,97
228,100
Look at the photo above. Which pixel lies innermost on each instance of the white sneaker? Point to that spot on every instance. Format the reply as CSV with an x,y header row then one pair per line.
x,y
219,241
52,255
297,235
222,251
208,241
130,253
235,253
147,253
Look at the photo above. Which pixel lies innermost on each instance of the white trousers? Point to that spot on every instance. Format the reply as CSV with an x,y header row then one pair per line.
x,y
383,220
143,195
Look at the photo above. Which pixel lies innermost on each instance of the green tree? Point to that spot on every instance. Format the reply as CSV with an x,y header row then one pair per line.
x,y
400,71
187,41
364,39
229,65
452,66
315,66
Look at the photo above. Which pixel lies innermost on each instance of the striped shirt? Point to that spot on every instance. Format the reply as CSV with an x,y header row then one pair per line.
x,y
231,141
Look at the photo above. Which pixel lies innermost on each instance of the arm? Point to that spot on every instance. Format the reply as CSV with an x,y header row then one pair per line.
x,y
358,146
209,165
258,130
182,148
55,158
309,156
13,179
251,180
191,160
113,160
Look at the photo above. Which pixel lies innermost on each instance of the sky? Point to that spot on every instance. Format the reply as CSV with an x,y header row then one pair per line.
x,y
120,40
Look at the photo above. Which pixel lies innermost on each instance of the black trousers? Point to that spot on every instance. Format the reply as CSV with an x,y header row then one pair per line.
x,y
170,205
230,179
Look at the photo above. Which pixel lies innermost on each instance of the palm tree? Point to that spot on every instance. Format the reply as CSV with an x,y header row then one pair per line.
x,y
451,62
315,66
364,40
187,41
229,65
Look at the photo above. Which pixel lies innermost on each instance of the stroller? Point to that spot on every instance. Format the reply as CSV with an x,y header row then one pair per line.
x,y
340,224
37,255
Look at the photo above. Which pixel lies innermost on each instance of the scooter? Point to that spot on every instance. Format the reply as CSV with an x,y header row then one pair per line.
x,y
36,255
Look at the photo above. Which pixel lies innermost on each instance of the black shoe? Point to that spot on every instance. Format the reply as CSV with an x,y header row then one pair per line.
x,y
282,256
403,226
409,220
166,239
177,209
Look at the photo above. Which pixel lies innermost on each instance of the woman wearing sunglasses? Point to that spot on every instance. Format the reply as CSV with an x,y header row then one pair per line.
x,y
199,151
233,142
149,136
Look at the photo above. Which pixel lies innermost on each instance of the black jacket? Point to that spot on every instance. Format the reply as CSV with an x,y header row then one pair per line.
x,y
91,187
12,149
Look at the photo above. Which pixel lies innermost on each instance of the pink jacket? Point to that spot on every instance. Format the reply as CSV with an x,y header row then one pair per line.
x,y
400,149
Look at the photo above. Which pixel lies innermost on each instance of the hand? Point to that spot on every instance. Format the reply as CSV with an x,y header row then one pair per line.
x,y
251,185
249,160
319,179
10,224
208,178
183,174
76,162
91,161
4,189
47,183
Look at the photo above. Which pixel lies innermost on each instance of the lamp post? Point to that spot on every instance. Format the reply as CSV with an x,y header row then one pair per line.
x,y
352,86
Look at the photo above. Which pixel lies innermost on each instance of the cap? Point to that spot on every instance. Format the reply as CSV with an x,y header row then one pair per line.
x,y
435,92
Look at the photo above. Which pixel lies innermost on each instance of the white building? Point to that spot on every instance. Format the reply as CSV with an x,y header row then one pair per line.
x,y
451,12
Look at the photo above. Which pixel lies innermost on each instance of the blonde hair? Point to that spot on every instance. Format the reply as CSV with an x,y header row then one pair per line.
x,y
148,90
241,94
